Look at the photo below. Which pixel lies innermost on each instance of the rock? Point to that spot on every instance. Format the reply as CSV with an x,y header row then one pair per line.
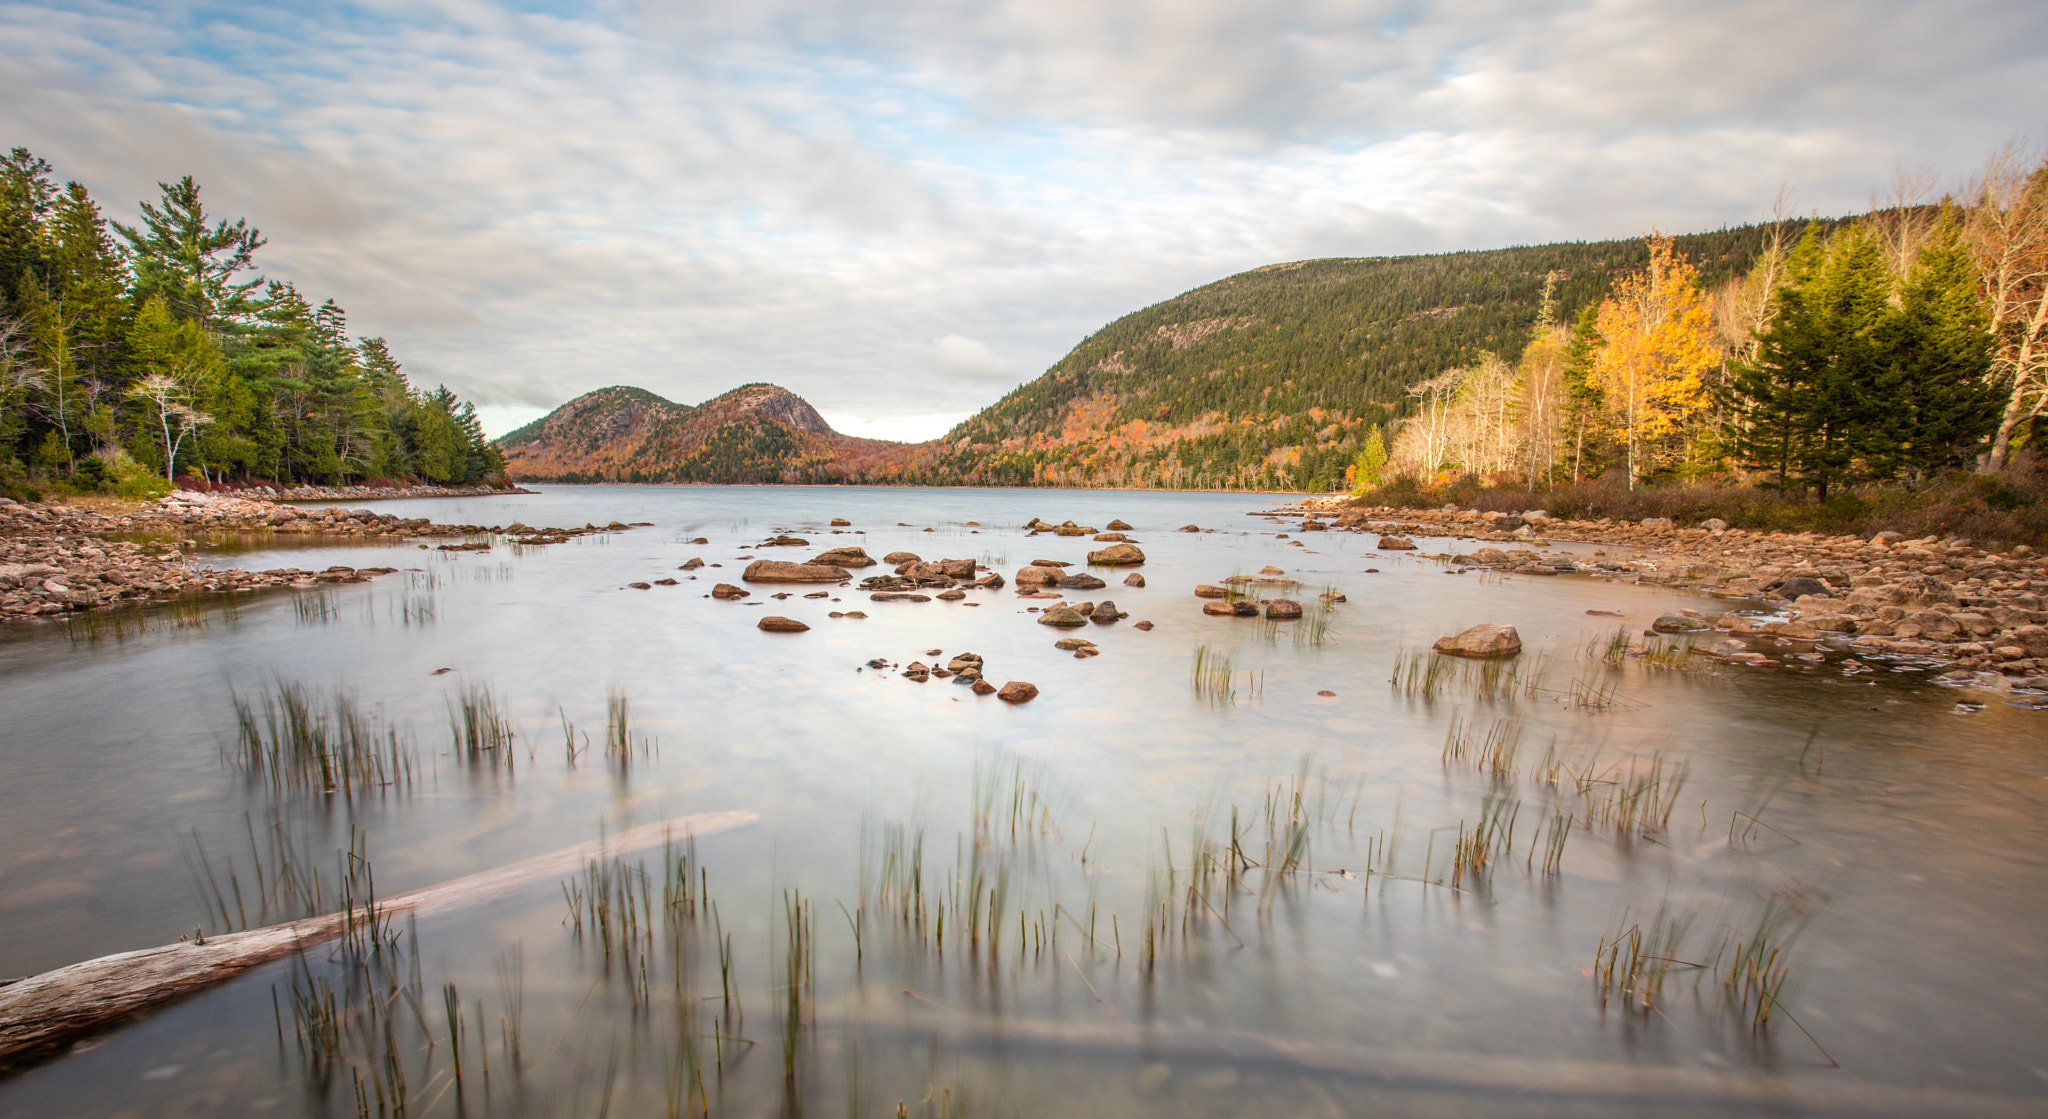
x,y
1106,612
728,591
1207,590
1190,528
700,540
900,557
1793,588
1282,608
964,661
641,586
840,522
1082,581
1018,691
1678,623
1887,538
1062,616
1333,597
1109,537
783,542
1269,569
1245,608
1146,626
898,596
1117,555
691,564
1655,522
957,568
1085,609
843,557
1714,524
1072,643
779,571
1488,640
1396,544
1134,580
1050,563
1117,526
774,623
983,687
1030,577
670,583
1218,609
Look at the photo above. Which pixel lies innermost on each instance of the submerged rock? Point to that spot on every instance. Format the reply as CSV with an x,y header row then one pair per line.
x,y
780,571
1678,623
1062,616
1488,640
844,557
1071,643
1117,555
1396,544
774,623
1082,581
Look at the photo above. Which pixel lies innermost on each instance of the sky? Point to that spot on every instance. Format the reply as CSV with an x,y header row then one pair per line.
x,y
902,210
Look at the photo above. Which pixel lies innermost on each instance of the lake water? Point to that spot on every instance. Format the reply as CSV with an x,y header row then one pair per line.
x,y
1113,944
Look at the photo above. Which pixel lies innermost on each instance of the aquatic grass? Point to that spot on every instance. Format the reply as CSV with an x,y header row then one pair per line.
x,y
315,608
1211,674
303,742
1628,796
483,734
1492,841
1494,753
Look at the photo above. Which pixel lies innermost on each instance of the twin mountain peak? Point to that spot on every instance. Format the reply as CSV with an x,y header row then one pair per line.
x,y
1268,379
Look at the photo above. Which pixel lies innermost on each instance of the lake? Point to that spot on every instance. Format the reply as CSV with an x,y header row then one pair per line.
x,y
1226,867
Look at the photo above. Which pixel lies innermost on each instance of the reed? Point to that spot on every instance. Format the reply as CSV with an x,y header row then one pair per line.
x,y
304,742
1211,676
483,735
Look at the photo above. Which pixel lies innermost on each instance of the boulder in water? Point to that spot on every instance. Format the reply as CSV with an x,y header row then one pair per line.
x,y
1488,640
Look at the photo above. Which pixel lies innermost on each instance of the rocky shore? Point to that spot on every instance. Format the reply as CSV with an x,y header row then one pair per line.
x,y
1941,600
59,558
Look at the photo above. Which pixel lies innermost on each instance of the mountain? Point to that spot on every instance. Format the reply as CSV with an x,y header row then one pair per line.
x,y
1269,379
755,433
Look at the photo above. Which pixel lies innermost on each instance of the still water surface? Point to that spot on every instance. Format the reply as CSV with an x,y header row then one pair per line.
x,y
1891,845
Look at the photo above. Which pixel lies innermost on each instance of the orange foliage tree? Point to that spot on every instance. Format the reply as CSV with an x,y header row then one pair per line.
x,y
1657,346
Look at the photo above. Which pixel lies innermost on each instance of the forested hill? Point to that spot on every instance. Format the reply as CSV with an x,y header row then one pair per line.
x,y
1269,379
755,433
1272,378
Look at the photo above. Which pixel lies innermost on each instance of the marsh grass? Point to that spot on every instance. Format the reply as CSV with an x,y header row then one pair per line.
x,y
482,732
1630,797
303,742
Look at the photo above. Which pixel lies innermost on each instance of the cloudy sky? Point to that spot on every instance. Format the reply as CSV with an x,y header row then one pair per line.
x,y
900,210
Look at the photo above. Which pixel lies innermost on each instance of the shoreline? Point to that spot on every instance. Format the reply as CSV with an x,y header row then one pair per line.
x,y
1938,601
58,559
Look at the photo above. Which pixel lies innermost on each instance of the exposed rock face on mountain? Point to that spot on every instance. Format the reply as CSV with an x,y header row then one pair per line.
x,y
755,433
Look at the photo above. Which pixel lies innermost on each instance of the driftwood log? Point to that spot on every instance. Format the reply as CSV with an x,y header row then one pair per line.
x,y
1650,1088
47,1010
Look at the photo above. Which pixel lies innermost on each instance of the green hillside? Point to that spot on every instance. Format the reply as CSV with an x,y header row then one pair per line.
x,y
1271,378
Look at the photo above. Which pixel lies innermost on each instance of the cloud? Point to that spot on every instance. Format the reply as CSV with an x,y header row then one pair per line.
x,y
899,211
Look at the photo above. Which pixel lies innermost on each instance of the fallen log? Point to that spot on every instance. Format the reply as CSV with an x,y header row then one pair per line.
x,y
47,1010
1572,1083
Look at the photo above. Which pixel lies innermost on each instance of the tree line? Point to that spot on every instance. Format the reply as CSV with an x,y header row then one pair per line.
x,y
1908,342
136,356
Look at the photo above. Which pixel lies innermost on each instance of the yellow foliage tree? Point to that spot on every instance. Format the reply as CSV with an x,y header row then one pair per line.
x,y
1657,346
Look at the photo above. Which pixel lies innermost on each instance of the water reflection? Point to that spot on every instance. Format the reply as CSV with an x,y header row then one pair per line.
x,y
1125,896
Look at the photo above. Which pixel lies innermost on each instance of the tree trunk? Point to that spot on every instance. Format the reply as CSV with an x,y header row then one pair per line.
x,y
47,1010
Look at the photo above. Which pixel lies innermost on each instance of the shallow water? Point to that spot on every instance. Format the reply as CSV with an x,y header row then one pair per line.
x,y
1896,844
